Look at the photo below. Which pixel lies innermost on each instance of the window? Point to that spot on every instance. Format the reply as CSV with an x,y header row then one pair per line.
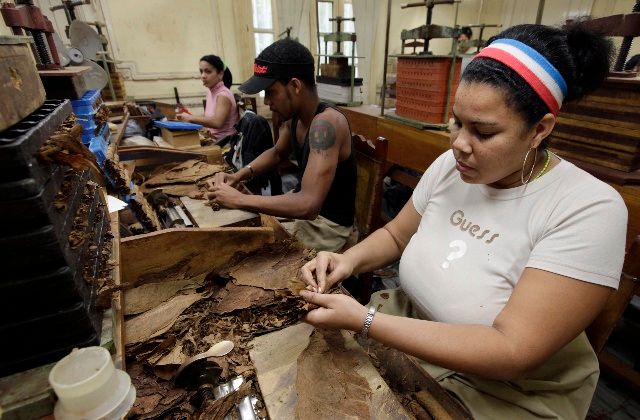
x,y
349,26
263,32
325,12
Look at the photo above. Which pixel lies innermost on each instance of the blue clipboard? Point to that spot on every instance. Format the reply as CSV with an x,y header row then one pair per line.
x,y
177,125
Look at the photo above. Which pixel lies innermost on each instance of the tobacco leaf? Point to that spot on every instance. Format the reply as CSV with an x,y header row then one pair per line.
x,y
182,190
234,297
184,172
344,393
148,388
174,357
150,295
160,350
146,404
273,267
226,311
157,320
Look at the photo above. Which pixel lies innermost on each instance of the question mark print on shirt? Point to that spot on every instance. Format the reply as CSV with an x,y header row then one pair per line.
x,y
460,248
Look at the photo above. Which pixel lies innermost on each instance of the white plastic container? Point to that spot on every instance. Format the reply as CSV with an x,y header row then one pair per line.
x,y
89,386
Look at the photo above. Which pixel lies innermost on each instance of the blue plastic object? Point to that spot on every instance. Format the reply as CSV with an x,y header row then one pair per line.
x,y
88,133
177,125
89,102
88,122
99,144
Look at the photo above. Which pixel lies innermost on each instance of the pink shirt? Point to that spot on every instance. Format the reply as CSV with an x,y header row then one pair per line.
x,y
210,110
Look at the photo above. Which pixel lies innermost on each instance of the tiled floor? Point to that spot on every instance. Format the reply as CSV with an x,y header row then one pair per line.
x,y
611,401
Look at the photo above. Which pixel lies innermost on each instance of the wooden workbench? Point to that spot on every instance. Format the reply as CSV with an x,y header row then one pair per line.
x,y
409,147
416,149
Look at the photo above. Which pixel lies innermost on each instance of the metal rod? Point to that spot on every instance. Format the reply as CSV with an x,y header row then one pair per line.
x,y
318,33
540,12
419,4
386,58
454,54
353,69
626,44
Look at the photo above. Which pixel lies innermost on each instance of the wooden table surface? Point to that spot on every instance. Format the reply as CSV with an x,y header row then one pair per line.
x,y
409,147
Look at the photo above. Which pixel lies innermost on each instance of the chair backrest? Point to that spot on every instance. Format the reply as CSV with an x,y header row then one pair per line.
x,y
371,158
247,103
600,329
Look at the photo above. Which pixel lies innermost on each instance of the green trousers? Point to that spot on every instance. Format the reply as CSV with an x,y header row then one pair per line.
x,y
562,388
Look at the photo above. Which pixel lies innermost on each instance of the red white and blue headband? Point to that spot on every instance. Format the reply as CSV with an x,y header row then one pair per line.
x,y
533,67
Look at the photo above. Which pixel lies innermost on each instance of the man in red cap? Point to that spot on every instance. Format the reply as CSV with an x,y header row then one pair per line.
x,y
318,135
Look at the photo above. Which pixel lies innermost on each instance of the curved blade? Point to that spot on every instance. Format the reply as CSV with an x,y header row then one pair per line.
x,y
84,38
62,50
96,78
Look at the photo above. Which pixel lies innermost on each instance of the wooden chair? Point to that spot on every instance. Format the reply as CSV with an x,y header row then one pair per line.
x,y
600,329
249,103
371,158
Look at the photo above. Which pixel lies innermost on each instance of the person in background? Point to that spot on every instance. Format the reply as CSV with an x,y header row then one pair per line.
x,y
220,112
633,64
507,252
463,39
318,136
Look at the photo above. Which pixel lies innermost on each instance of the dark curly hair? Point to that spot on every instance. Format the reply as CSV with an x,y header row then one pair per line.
x,y
582,57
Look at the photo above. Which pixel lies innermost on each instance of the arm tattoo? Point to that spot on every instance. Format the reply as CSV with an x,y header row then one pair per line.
x,y
322,136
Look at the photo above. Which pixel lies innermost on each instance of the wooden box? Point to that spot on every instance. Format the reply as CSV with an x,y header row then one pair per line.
x,y
603,128
181,139
21,91
168,110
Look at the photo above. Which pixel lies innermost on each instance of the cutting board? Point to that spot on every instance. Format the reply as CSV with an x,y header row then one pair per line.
x,y
275,357
206,217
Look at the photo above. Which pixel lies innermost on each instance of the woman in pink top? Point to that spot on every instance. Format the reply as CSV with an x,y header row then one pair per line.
x,y
220,112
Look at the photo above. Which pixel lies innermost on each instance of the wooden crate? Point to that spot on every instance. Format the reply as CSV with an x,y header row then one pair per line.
x,y
21,91
603,128
181,139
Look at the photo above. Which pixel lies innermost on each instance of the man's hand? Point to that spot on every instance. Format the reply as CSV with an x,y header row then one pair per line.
x,y
225,195
335,311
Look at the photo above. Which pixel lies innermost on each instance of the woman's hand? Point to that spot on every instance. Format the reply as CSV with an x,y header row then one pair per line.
x,y
335,311
225,178
183,116
325,270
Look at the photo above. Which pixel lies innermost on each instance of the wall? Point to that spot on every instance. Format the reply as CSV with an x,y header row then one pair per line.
x,y
158,42
506,12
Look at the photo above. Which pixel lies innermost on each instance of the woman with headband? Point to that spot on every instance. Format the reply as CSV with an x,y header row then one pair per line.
x,y
220,112
507,252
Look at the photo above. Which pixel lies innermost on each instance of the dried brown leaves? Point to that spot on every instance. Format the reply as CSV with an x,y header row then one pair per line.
x,y
227,311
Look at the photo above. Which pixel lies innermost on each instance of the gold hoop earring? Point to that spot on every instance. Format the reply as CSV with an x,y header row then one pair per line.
x,y
524,164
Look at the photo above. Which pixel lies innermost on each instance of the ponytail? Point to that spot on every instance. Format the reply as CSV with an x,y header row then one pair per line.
x,y
221,67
